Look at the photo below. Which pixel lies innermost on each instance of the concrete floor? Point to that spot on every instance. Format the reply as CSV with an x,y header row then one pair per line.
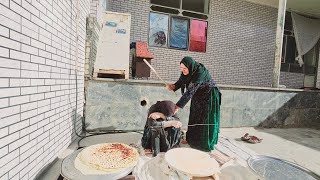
x,y
297,145
52,172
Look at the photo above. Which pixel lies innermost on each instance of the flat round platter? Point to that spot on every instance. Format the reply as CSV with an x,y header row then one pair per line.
x,y
69,171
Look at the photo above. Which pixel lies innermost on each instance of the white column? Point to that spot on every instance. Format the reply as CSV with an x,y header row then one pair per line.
x,y
279,43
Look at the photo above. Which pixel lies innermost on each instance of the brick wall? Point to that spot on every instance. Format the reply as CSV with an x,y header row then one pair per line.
x,y
96,9
318,76
241,39
37,82
292,80
92,37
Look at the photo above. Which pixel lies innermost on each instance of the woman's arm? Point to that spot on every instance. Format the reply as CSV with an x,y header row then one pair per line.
x,y
152,123
170,121
152,120
175,86
173,121
188,95
172,118
178,84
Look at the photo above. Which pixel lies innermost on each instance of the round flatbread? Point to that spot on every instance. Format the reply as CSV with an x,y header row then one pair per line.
x,y
106,158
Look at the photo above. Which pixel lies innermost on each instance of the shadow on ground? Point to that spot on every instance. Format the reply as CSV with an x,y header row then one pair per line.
x,y
304,136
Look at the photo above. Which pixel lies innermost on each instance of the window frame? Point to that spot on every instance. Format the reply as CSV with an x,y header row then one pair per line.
x,y
181,16
169,22
169,31
181,10
286,66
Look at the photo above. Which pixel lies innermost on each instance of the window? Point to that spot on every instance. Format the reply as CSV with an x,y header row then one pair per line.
x,y
158,33
289,49
179,24
168,3
198,35
201,6
179,33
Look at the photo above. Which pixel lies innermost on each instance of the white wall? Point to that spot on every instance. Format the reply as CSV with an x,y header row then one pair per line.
x,y
37,82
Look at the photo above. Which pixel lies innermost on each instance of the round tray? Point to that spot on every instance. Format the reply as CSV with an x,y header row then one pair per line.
x,y
68,170
277,169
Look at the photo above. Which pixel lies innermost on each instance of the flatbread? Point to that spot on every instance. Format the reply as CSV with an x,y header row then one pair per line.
x,y
106,158
192,162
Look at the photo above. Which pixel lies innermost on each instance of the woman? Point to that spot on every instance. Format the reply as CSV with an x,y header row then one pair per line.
x,y
162,129
204,118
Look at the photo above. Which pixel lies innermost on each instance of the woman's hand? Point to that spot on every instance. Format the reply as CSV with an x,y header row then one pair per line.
x,y
176,109
157,115
176,124
171,87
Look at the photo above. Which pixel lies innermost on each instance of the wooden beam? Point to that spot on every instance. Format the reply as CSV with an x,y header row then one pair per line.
x,y
111,71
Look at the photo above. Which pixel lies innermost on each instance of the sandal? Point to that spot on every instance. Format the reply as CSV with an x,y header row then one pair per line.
x,y
245,137
254,140
251,139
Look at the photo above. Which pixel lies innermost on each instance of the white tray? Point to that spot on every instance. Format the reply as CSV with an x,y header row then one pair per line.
x,y
68,170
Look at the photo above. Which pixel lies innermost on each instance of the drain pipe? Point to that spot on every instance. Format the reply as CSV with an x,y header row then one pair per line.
x,y
77,60
76,67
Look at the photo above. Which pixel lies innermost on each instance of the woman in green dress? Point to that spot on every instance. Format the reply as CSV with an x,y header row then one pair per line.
x,y
204,117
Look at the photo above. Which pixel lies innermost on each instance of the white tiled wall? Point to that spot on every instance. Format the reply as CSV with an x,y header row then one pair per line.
x,y
37,82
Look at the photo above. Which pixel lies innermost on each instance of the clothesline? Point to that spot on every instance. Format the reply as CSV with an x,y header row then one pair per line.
x,y
188,125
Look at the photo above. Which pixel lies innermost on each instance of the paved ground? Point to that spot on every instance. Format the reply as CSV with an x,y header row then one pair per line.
x,y
297,145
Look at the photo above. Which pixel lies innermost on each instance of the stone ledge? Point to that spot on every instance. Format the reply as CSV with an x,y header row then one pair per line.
x,y
222,86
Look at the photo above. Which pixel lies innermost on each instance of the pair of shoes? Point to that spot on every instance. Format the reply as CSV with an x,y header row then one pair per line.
x,y
251,139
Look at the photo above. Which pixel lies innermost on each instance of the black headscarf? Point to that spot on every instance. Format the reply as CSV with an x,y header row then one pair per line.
x,y
165,107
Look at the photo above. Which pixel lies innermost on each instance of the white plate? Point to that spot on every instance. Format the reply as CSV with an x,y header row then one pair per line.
x,y
192,162
69,171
